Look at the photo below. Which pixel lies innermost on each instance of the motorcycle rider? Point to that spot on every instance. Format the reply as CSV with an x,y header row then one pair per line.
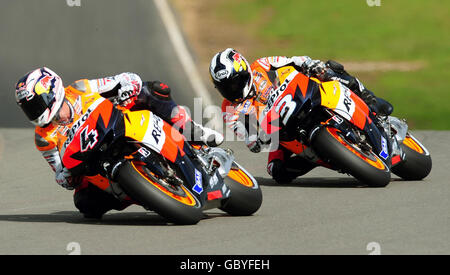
x,y
243,85
52,108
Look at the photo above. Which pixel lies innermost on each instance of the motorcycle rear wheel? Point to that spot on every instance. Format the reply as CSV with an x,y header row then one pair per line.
x,y
246,195
333,147
417,163
175,203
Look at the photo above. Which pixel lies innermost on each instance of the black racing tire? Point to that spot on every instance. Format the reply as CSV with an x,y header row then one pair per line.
x,y
245,196
343,155
417,163
177,206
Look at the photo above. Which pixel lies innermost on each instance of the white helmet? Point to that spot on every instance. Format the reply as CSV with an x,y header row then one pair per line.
x,y
40,94
231,75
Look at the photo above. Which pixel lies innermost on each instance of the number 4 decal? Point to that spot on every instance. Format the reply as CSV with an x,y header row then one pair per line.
x,y
88,140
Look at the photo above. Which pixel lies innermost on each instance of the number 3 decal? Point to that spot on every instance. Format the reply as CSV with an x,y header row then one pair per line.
x,y
287,106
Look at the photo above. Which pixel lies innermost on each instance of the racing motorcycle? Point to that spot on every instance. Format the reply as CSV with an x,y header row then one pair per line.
x,y
141,159
329,125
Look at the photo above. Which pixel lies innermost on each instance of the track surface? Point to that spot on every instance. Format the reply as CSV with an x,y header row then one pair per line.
x,y
321,213
97,39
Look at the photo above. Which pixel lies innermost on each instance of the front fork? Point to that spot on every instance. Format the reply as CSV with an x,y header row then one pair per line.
x,y
144,155
397,130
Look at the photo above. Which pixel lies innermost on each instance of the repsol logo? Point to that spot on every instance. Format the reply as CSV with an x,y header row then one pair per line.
x,y
71,133
157,128
273,96
347,100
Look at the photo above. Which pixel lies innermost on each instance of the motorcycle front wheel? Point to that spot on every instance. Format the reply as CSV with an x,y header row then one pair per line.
x,y
175,203
332,146
417,163
245,197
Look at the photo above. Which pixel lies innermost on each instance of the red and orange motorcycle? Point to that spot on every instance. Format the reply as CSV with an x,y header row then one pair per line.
x,y
139,158
329,125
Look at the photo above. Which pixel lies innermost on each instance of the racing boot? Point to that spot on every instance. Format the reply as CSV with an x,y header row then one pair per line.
x,y
376,104
285,172
383,107
93,202
193,131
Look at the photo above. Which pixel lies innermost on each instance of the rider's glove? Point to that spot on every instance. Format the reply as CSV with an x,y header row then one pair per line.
x,y
317,69
64,178
314,68
130,87
207,135
253,143
368,97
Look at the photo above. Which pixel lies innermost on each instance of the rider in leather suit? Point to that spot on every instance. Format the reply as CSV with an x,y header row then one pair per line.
x,y
51,107
243,85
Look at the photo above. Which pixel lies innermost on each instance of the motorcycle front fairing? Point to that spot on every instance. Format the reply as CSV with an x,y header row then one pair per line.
x,y
96,129
299,102
350,108
161,138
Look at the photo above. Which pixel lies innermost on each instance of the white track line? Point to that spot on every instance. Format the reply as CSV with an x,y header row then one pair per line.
x,y
181,49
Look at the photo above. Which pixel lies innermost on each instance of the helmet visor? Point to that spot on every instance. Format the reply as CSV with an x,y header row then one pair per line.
x,y
35,106
232,88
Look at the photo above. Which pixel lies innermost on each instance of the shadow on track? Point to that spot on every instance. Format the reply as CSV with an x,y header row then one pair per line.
x,y
318,182
128,218
315,182
74,217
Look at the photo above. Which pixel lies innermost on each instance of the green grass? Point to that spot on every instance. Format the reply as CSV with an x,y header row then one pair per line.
x,y
350,30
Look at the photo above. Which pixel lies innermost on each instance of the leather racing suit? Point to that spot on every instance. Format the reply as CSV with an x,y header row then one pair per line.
x,y
282,166
152,95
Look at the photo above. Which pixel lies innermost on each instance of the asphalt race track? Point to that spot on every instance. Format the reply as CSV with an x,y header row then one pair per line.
x,y
322,213
97,39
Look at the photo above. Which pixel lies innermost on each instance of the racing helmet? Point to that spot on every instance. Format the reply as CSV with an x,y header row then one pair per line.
x,y
40,94
231,74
